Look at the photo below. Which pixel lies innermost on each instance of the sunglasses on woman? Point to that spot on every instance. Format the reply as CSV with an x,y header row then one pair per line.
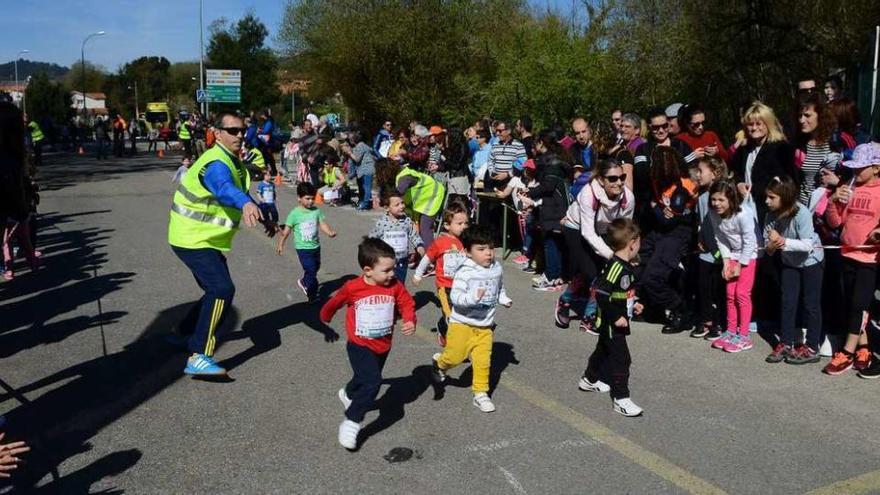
x,y
614,178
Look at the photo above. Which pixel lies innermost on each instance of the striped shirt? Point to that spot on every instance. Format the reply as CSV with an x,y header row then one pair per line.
x,y
505,156
816,155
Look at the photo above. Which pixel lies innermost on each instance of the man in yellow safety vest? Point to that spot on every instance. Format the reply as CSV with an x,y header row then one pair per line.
x,y
210,202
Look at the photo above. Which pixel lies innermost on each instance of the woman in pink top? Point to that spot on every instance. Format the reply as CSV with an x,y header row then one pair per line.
x,y
856,207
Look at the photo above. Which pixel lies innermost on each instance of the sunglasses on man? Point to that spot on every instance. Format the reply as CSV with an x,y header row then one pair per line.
x,y
234,131
661,127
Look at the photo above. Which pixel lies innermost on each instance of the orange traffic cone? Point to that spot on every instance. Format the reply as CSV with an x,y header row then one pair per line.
x,y
161,153
278,180
81,151
319,199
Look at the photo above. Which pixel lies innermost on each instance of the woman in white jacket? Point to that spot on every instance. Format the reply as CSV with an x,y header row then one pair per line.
x,y
604,199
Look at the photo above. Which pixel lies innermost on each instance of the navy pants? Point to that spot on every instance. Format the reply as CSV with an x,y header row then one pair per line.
x,y
363,388
400,269
310,259
802,295
209,268
269,211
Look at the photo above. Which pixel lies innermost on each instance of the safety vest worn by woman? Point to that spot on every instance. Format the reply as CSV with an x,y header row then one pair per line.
x,y
198,220
426,196
184,131
330,176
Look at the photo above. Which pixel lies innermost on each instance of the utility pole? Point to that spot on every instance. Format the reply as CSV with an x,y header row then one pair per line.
x,y
16,73
83,66
204,105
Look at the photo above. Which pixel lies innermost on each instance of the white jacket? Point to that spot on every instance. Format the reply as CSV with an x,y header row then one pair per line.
x,y
582,214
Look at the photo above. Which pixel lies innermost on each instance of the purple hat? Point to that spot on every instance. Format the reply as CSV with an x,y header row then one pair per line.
x,y
864,155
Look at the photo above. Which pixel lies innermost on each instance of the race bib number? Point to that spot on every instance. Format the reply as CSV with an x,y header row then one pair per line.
x,y
452,260
398,241
374,319
330,195
308,231
490,297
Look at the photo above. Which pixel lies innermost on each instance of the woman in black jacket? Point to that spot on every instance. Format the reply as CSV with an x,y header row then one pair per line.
x,y
765,155
552,172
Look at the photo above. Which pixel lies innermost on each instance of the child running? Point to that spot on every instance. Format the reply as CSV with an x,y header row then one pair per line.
x,y
857,208
710,169
477,289
788,229
305,220
266,192
373,300
734,229
446,254
615,296
398,231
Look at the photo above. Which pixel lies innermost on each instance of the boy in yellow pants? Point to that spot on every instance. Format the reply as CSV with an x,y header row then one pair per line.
x,y
477,289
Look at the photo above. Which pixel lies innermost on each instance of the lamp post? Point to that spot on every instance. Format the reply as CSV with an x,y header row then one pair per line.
x,y
27,82
137,111
83,66
204,105
16,70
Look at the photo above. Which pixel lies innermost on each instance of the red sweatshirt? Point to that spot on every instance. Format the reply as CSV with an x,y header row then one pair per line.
x,y
708,138
445,246
859,217
369,319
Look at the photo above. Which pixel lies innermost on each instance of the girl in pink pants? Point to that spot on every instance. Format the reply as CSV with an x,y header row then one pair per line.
x,y
734,228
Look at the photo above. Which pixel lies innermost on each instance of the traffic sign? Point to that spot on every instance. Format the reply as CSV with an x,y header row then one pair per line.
x,y
201,95
224,85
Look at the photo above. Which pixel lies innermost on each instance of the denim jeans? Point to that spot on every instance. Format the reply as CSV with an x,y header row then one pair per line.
x,y
553,255
400,269
209,268
310,259
365,186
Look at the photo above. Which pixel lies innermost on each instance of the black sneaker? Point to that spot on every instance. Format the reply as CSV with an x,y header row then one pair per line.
x,y
802,354
871,372
714,334
700,331
563,318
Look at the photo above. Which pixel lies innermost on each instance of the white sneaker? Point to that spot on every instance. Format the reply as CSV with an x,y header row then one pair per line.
x,y
588,386
483,401
348,434
825,350
438,375
343,397
627,407
539,279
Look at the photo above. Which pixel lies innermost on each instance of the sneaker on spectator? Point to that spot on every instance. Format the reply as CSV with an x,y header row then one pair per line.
x,y
482,401
840,363
539,279
745,343
825,350
862,359
521,260
871,372
627,407
348,434
802,354
529,269
722,341
597,386
732,345
550,285
588,325
562,316
779,353
714,334
700,331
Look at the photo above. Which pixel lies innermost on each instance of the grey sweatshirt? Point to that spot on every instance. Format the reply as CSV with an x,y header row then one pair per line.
x,y
466,307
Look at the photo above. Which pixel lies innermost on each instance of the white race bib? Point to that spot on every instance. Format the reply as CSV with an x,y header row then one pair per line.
x,y
330,195
490,297
398,241
374,319
452,260
308,231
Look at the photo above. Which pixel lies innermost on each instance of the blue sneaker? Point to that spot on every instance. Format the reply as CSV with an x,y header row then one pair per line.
x,y
202,365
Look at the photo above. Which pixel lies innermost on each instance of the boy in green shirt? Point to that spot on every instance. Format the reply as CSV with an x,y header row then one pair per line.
x,y
305,220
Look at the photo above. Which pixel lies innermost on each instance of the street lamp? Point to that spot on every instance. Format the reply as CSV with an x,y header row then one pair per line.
x,y
137,111
16,69
83,65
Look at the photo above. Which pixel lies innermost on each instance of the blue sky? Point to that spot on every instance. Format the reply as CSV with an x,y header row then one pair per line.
x,y
53,30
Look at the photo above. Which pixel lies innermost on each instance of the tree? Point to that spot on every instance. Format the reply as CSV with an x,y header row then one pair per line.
x,y
47,100
242,46
95,76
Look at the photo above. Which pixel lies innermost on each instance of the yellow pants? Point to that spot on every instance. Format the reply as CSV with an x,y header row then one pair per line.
x,y
443,296
463,341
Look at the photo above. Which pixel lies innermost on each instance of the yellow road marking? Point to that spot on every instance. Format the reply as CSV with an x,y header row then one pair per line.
x,y
865,483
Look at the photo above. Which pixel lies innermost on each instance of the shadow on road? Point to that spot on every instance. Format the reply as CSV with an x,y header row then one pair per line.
x,y
81,480
502,357
402,390
90,396
264,331
67,169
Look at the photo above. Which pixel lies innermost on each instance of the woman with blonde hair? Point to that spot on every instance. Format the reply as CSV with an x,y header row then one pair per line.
x,y
765,155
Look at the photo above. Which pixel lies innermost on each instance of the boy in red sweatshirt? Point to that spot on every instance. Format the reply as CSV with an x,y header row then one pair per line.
x,y
374,300
857,208
446,254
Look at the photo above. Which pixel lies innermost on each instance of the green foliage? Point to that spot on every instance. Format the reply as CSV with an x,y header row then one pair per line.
x,y
95,75
47,99
456,60
242,46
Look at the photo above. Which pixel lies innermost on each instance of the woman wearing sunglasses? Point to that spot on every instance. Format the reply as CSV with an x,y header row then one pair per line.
x,y
600,202
703,141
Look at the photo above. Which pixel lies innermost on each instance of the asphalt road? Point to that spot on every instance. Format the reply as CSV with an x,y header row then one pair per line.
x,y
86,377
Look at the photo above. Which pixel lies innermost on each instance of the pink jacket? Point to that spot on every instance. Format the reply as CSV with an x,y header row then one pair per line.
x,y
859,217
